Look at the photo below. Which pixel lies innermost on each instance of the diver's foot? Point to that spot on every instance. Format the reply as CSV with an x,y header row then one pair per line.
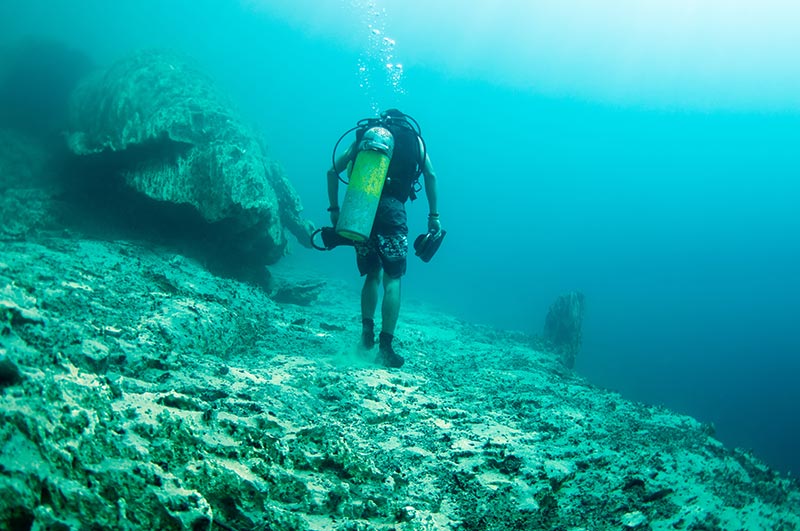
x,y
390,358
367,334
367,340
386,354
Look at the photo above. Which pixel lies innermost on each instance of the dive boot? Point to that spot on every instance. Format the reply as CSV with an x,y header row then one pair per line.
x,y
367,334
386,354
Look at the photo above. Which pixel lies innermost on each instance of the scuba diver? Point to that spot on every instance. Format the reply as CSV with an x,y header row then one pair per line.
x,y
383,165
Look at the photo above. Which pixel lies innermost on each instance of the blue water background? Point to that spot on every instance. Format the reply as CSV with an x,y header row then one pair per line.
x,y
678,221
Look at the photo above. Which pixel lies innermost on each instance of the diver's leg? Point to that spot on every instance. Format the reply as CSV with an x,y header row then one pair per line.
x,y
369,295
369,302
392,239
369,266
390,308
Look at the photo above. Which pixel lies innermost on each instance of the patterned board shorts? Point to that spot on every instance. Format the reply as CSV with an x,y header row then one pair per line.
x,y
387,246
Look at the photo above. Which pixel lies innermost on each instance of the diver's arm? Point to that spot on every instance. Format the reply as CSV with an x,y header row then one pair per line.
x,y
333,178
333,189
431,193
430,186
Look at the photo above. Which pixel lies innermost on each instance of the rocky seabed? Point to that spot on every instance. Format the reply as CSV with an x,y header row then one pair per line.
x,y
139,391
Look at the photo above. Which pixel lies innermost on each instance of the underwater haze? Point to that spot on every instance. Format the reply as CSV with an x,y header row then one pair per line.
x,y
644,153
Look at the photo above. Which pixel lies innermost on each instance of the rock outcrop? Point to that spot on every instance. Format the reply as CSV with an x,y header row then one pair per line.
x,y
168,132
562,326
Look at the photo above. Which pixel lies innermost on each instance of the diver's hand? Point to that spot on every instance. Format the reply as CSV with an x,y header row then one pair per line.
x,y
304,232
434,224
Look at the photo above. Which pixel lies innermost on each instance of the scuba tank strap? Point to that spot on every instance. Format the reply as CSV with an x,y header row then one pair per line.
x,y
416,188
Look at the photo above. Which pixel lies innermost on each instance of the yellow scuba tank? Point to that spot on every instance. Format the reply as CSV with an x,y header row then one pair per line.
x,y
366,184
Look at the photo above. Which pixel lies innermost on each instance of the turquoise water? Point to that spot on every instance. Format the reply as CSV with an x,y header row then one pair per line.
x,y
655,171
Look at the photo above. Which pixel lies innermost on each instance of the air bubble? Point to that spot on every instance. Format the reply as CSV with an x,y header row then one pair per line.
x,y
377,67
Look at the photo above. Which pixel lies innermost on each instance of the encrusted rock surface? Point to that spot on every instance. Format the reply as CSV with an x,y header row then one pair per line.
x,y
27,187
157,120
154,395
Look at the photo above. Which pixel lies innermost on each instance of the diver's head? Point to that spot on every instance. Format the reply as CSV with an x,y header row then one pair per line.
x,y
393,114
397,117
